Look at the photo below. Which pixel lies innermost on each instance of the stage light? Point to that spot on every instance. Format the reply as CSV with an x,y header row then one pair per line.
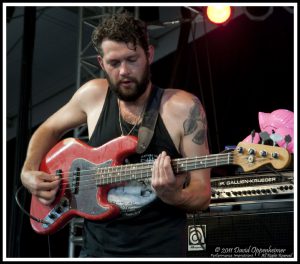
x,y
218,14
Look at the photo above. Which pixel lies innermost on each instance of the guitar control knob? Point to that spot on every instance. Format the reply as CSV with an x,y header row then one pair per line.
x,y
228,193
65,203
275,155
58,209
52,216
291,187
274,190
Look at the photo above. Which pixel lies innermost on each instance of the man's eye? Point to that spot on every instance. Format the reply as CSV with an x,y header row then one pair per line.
x,y
114,63
132,59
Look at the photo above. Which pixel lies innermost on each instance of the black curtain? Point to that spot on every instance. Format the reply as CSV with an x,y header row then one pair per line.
x,y
15,219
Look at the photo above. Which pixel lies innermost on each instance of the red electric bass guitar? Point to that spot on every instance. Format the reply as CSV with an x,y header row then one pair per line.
x,y
87,174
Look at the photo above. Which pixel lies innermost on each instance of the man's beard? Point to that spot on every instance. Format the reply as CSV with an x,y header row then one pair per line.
x,y
136,91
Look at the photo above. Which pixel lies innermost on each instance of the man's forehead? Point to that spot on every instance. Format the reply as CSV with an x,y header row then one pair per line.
x,y
113,48
112,43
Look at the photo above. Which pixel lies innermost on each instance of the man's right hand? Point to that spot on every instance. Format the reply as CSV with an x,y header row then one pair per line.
x,y
44,186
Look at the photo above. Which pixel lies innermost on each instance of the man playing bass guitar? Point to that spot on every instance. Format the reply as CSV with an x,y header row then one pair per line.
x,y
152,217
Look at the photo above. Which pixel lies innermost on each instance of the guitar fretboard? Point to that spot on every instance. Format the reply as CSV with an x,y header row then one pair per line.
x,y
116,174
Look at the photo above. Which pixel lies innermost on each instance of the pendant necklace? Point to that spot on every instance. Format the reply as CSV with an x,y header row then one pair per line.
x,y
136,123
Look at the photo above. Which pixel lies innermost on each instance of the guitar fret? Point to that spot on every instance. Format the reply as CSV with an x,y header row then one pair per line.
x,y
120,173
185,164
133,175
109,175
112,175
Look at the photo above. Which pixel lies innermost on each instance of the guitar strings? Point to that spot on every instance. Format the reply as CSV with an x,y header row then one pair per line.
x,y
174,163
113,172
188,163
218,157
113,175
86,184
124,171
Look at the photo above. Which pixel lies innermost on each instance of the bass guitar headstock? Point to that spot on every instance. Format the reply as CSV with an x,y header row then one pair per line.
x,y
251,156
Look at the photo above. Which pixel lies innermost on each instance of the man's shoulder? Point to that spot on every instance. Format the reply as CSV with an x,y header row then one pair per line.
x,y
178,97
91,94
177,103
95,84
94,87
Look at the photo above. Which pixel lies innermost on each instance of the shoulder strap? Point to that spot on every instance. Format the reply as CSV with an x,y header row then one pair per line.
x,y
147,127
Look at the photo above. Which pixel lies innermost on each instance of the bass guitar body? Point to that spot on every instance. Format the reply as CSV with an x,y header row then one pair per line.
x,y
79,167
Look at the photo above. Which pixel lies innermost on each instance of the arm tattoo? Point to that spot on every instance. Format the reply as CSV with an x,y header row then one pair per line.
x,y
199,138
190,125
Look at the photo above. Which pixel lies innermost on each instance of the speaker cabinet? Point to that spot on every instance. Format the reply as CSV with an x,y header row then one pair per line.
x,y
259,234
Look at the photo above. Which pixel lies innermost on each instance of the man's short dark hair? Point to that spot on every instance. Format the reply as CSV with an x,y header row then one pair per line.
x,y
121,28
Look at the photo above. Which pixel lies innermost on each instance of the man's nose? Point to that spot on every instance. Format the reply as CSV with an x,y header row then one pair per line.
x,y
124,69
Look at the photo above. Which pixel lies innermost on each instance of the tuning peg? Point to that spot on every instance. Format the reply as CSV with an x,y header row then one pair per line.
x,y
264,137
275,138
287,140
252,135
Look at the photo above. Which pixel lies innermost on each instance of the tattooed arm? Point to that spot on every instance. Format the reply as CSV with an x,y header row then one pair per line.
x,y
185,119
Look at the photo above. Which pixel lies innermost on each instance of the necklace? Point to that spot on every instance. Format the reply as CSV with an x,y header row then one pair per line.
x,y
136,123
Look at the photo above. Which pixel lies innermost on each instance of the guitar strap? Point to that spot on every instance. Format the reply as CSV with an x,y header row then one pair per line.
x,y
147,127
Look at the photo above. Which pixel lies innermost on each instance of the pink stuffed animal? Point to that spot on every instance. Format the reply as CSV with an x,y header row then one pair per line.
x,y
279,125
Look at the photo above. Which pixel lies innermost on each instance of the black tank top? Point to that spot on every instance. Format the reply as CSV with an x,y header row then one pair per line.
x,y
146,227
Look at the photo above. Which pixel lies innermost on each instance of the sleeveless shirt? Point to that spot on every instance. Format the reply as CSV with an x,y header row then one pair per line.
x,y
146,227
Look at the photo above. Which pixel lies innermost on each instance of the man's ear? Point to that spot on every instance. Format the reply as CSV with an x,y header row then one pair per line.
x,y
150,53
100,61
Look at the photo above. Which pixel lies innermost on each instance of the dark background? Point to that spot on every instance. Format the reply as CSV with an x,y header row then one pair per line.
x,y
242,68
236,70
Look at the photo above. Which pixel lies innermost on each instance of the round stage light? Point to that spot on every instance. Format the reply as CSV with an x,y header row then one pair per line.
x,y
218,14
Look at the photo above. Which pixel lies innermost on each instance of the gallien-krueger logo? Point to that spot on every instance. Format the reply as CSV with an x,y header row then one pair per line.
x,y
245,181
